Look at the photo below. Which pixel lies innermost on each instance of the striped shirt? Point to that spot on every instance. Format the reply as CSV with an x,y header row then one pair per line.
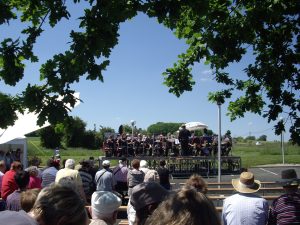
x,y
13,201
48,176
285,210
87,182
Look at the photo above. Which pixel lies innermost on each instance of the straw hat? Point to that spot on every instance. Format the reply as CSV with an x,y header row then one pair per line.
x,y
246,183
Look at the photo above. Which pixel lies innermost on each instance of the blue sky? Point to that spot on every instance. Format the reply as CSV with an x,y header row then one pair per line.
x,y
132,88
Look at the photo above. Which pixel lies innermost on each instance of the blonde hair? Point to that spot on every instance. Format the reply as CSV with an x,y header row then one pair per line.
x,y
28,198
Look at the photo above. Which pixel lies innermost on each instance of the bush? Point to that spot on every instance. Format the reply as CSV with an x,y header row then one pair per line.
x,y
49,138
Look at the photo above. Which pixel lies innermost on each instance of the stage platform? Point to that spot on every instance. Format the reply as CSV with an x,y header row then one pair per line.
x,y
184,166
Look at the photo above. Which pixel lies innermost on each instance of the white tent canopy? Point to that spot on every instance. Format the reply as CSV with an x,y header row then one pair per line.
x,y
25,124
191,126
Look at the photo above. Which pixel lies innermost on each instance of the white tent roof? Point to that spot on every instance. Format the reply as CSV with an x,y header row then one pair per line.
x,y
25,124
191,126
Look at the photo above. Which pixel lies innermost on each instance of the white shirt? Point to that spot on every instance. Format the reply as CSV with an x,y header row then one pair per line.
x,y
245,209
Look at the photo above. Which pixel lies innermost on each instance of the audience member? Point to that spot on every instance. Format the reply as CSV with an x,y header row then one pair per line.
x,y
286,209
144,166
28,198
104,178
151,176
197,182
16,218
35,181
186,207
245,207
120,174
49,174
2,172
69,171
59,205
9,184
13,200
164,175
134,176
87,179
145,199
105,206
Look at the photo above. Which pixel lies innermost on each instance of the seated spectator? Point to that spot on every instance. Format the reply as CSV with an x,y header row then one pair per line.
x,y
186,207
104,178
87,179
13,200
151,176
2,172
135,176
245,207
144,166
286,208
28,198
49,174
120,174
164,175
9,184
197,182
144,199
71,173
59,205
34,181
105,206
16,218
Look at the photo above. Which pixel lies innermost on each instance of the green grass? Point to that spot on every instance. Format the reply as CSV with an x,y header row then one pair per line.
x,y
251,154
35,149
267,153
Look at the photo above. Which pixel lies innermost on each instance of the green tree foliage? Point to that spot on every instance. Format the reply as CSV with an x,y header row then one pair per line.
x,y
262,138
89,140
220,32
49,138
250,138
74,130
163,128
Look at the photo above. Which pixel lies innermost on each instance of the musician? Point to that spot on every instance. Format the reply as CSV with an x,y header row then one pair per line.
x,y
183,137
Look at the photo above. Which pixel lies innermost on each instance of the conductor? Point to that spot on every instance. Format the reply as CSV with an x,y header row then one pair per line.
x,y
183,137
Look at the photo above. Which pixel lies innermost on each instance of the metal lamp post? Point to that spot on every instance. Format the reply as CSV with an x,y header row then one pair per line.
x,y
282,142
219,142
132,122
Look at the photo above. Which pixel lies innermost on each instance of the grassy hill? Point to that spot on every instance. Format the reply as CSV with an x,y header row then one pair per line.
x,y
251,154
35,149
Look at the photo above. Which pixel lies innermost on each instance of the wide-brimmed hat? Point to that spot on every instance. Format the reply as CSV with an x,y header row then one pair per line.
x,y
246,183
289,178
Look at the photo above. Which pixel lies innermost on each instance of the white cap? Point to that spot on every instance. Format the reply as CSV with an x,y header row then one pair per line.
x,y
104,203
106,163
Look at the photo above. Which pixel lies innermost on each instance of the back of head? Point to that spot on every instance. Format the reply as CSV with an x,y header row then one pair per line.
x,y
16,166
135,164
186,207
162,163
70,164
22,179
59,205
143,164
197,182
28,198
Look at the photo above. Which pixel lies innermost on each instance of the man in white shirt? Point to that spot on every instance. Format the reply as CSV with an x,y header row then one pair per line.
x,y
245,208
